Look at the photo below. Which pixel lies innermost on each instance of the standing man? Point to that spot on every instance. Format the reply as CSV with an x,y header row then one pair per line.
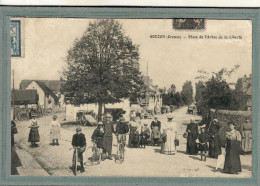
x,y
108,137
155,127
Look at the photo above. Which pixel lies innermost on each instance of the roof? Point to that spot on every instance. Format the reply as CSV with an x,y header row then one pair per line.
x,y
47,90
23,97
53,85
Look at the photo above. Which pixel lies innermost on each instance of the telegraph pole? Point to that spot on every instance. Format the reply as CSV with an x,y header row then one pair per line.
x,y
13,88
147,84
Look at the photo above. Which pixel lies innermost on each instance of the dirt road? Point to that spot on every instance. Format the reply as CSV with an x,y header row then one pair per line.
x,y
55,160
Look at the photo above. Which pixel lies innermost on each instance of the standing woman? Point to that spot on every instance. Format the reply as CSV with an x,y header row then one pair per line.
x,y
34,133
55,130
134,133
246,132
232,163
193,133
170,130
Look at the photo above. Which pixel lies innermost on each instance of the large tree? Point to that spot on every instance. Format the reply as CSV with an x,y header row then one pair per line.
x,y
187,93
102,66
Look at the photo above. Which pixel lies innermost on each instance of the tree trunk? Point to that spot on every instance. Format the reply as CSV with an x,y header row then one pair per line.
x,y
100,104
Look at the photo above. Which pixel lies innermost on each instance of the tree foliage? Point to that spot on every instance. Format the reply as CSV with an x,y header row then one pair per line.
x,y
216,93
187,93
102,66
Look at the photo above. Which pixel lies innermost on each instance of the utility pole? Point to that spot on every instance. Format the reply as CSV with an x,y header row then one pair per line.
x,y
147,84
13,88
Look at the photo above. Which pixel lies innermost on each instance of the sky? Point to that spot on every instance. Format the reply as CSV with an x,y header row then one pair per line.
x,y
46,41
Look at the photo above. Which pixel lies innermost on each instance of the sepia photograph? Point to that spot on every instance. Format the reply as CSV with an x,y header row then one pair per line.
x,y
131,97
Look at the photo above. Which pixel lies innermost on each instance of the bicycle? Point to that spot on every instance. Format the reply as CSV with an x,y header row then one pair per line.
x,y
93,155
75,160
120,149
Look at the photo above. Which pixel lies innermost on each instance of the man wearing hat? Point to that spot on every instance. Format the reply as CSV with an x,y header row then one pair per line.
x,y
79,143
214,140
155,127
108,137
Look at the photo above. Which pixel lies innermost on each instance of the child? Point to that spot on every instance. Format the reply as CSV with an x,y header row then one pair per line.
x,y
203,143
97,137
79,143
34,133
145,134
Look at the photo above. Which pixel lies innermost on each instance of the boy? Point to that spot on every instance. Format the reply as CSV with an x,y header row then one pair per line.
x,y
121,130
79,144
203,143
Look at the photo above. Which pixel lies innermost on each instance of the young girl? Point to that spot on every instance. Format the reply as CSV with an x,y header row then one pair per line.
x,y
34,133
203,143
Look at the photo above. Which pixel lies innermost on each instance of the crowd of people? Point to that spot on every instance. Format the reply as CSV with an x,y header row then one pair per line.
x,y
217,139
210,140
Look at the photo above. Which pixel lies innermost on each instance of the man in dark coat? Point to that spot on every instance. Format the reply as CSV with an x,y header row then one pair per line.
x,y
108,137
214,140
79,143
193,133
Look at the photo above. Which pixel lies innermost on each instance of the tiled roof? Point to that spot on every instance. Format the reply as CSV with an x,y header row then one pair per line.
x,y
47,90
53,85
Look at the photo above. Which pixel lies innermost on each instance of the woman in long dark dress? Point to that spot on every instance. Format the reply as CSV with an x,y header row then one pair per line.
x,y
232,163
192,130
133,141
214,141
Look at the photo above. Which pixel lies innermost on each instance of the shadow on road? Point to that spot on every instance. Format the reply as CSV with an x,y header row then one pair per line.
x,y
249,168
194,157
157,150
15,162
213,169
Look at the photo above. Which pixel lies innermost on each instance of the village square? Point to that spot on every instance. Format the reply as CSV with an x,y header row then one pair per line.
x,y
111,107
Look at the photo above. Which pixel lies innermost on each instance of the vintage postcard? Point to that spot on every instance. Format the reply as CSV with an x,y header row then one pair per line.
x,y
132,97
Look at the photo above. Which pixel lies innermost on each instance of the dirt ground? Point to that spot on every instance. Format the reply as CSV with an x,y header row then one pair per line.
x,y
148,162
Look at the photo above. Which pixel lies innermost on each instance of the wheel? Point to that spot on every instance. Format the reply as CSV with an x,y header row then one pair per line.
x,y
93,156
121,153
76,163
89,156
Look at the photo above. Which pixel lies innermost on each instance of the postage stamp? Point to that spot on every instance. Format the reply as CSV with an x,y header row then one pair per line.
x,y
189,24
15,34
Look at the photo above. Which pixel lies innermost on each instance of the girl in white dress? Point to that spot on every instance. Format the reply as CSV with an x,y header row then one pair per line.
x,y
55,130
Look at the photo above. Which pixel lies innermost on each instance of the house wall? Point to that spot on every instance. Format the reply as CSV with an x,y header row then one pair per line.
x,y
40,92
43,98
